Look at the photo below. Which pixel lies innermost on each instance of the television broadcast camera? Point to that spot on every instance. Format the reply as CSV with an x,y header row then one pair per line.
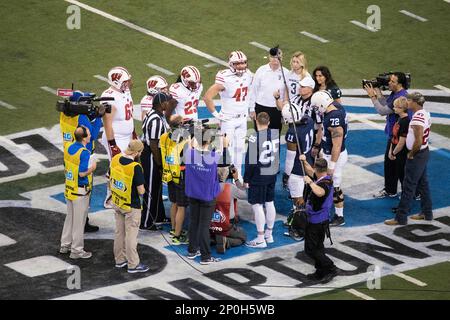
x,y
382,80
87,104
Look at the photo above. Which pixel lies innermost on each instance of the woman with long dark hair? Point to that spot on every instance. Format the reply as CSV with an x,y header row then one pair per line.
x,y
324,81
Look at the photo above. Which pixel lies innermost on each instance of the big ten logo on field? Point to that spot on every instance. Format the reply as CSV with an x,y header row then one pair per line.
x,y
374,20
74,20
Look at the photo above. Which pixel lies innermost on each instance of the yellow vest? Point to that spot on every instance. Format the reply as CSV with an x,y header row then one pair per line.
x,y
68,126
121,181
71,170
171,158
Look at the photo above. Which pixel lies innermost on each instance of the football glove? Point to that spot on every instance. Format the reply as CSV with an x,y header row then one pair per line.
x,y
113,147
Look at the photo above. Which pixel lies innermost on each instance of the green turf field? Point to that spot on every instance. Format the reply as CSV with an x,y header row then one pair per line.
x,y
38,49
395,288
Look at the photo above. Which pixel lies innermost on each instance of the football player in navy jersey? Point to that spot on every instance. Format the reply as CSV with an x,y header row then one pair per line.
x,y
293,170
261,169
333,145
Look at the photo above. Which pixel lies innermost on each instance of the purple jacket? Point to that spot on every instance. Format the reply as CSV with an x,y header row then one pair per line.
x,y
202,182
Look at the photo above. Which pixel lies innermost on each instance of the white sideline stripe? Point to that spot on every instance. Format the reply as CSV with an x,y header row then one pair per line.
x,y
165,71
359,294
148,32
410,279
102,78
313,36
412,15
362,25
448,1
53,91
7,105
259,45
209,65
438,86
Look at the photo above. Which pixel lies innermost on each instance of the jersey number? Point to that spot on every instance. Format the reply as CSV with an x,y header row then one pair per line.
x,y
335,122
294,88
190,107
128,111
426,135
267,155
240,94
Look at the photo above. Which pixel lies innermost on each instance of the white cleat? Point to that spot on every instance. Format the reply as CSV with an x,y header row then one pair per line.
x,y
255,244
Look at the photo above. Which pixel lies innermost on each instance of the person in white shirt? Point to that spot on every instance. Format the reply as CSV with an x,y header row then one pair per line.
x,y
416,164
268,79
299,71
233,86
119,124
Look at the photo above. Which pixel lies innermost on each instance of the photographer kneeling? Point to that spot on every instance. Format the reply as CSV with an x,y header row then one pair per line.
x,y
398,84
318,205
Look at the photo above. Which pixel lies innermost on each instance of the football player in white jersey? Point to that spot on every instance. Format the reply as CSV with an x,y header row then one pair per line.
x,y
154,85
233,85
187,91
119,125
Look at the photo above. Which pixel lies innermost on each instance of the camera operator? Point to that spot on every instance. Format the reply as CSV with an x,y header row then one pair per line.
x,y
69,121
153,127
173,144
318,206
385,107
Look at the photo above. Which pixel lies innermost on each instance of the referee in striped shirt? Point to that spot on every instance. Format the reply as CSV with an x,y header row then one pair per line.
x,y
153,127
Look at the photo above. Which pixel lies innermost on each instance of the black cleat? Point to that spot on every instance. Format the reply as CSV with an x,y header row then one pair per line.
x,y
337,221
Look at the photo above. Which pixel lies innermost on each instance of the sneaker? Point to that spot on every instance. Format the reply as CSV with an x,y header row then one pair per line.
x,y
80,255
255,244
121,264
90,228
210,260
269,239
391,222
383,194
221,244
420,216
172,233
64,250
417,197
329,276
337,221
179,240
139,268
193,255
294,235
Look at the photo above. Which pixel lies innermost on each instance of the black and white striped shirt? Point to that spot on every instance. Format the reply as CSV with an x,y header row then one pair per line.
x,y
305,104
153,126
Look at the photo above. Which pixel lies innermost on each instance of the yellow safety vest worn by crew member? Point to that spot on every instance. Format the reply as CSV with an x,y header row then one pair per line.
x,y
171,158
68,126
121,181
71,168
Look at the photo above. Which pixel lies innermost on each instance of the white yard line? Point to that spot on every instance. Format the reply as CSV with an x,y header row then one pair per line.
x,y
362,25
410,279
438,86
259,45
148,32
158,68
448,1
412,15
313,36
7,105
359,294
102,78
209,65
53,91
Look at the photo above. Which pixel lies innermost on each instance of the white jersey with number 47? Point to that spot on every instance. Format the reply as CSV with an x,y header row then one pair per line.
x,y
235,97
187,100
420,118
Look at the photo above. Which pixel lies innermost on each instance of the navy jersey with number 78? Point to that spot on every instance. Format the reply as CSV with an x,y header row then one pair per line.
x,y
334,119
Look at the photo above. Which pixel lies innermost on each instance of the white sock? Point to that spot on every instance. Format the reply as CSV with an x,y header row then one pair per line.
x,y
271,213
260,220
339,211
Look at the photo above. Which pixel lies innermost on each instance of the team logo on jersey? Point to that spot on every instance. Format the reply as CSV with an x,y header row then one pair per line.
x,y
119,185
252,139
